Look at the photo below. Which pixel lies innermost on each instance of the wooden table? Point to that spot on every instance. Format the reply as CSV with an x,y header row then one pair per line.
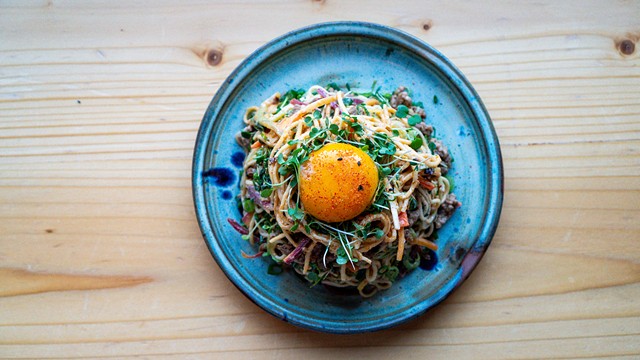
x,y
100,253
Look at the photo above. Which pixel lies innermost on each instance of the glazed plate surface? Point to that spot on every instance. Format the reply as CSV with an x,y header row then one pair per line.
x,y
358,54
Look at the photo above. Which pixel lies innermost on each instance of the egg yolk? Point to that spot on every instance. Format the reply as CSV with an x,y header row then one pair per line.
x,y
338,182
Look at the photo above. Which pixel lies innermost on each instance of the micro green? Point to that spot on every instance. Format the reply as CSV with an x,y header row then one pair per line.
x,y
248,205
414,120
402,111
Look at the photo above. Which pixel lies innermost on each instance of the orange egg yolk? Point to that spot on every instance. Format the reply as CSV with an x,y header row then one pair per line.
x,y
338,182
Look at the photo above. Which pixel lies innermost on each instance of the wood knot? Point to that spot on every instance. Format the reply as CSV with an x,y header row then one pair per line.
x,y
626,47
213,57
427,25
48,231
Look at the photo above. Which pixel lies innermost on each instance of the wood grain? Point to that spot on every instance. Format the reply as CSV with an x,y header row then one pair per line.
x,y
100,253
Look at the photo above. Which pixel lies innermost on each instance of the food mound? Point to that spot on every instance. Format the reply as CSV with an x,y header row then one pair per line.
x,y
346,188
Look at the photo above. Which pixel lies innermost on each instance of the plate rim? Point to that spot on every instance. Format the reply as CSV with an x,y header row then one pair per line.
x,y
402,39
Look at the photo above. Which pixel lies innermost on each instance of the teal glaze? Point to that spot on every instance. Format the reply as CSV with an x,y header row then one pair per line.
x,y
358,54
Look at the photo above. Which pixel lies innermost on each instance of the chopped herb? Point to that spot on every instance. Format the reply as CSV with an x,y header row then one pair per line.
x,y
451,182
296,213
290,95
409,263
266,192
308,121
389,272
416,143
261,155
274,269
414,120
413,203
435,99
342,257
313,277
248,205
402,111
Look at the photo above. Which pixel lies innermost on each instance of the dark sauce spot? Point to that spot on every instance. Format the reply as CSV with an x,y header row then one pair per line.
x,y
227,195
220,176
237,159
429,260
342,291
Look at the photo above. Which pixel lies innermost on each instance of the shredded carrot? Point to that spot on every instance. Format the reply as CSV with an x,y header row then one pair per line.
x,y
403,219
246,256
256,145
426,184
426,243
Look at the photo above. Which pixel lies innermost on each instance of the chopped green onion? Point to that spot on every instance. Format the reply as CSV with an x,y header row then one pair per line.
x,y
274,269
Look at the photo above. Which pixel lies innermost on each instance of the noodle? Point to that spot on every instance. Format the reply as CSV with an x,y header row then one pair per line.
x,y
370,251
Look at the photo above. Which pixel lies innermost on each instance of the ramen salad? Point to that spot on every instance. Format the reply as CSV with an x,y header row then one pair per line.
x,y
346,188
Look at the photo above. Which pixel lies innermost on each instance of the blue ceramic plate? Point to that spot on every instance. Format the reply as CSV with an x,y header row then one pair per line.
x,y
357,54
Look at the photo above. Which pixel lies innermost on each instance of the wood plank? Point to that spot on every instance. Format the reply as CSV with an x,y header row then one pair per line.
x,y
100,252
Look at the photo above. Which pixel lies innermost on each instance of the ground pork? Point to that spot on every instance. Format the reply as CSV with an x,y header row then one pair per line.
x,y
443,152
425,129
446,210
400,96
